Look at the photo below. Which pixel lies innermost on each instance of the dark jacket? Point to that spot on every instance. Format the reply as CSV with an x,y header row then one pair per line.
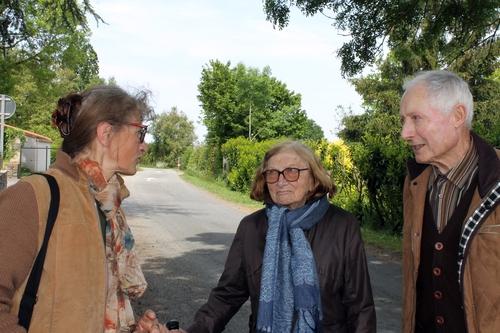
x,y
346,294
480,290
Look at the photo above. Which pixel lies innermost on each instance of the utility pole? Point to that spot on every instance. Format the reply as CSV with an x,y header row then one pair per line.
x,y
250,123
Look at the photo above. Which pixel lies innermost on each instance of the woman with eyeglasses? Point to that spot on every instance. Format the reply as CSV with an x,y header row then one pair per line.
x,y
91,270
300,260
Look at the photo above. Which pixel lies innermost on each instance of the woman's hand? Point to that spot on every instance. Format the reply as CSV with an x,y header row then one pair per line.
x,y
148,323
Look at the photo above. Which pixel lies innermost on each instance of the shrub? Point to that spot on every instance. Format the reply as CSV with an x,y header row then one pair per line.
x,y
241,159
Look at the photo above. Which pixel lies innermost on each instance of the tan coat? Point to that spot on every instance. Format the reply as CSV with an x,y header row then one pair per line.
x,y
72,290
481,288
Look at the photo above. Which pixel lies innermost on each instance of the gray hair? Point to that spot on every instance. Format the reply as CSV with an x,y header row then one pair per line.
x,y
446,89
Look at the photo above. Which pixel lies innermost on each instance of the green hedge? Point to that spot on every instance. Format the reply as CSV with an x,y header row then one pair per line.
x,y
368,175
241,159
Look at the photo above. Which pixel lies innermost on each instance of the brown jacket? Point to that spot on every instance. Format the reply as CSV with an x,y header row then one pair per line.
x,y
72,290
346,294
480,281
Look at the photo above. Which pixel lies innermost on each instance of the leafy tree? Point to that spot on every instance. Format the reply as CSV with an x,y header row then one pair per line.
x,y
37,33
46,53
30,26
293,123
487,109
173,133
353,127
218,101
248,102
424,34
381,158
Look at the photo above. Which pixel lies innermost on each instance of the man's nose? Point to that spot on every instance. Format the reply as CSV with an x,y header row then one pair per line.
x,y
407,130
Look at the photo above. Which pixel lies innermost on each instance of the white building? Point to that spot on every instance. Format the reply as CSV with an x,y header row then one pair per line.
x,y
35,152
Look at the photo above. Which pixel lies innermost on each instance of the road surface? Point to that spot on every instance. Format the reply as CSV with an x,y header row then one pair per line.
x,y
183,235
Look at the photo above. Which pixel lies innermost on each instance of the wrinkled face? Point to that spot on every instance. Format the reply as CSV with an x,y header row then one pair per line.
x,y
128,148
292,194
432,134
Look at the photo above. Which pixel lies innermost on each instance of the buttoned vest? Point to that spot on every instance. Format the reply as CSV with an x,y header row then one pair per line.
x,y
439,300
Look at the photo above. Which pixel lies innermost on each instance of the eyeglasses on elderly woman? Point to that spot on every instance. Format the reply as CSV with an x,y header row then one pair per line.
x,y
272,176
142,131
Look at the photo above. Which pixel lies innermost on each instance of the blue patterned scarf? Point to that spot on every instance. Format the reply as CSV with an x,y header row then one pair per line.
x,y
289,292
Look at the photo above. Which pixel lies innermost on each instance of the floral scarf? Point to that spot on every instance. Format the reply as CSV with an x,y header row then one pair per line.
x,y
125,277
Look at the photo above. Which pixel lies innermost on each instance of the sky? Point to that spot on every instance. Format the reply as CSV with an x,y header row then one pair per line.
x,y
163,46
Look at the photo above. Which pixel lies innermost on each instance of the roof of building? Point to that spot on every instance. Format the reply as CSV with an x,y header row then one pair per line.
x,y
30,134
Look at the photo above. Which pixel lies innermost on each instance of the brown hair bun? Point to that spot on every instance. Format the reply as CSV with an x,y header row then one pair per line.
x,y
65,113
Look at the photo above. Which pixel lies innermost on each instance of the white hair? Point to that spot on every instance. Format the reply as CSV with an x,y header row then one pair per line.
x,y
446,89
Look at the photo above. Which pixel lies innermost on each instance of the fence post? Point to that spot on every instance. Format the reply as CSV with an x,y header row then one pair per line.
x,y
19,166
3,179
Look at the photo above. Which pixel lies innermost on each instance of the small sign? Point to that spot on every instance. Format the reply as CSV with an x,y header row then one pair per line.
x,y
7,106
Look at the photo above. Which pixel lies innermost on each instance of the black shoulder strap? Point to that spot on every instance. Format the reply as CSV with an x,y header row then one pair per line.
x,y
30,293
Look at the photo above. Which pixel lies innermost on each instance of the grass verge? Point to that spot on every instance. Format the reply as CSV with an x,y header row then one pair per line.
x,y
218,188
378,239
382,240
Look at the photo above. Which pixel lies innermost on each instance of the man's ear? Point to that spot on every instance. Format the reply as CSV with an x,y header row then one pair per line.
x,y
459,115
104,133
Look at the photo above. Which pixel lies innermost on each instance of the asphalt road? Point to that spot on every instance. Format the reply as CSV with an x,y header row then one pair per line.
x,y
183,235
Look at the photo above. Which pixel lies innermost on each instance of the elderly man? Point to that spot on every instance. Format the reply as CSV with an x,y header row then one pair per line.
x,y
451,233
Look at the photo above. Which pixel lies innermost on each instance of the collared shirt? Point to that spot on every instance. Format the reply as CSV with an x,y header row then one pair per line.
x,y
446,190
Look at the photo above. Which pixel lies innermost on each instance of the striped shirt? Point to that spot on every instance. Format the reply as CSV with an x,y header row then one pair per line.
x,y
446,190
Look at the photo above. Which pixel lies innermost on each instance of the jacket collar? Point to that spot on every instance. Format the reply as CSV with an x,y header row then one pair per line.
x,y
488,171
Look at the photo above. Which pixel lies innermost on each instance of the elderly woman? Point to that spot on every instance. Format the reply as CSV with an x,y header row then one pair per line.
x,y
300,260
90,269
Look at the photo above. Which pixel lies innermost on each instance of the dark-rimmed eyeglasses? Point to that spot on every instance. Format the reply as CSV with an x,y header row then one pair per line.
x,y
142,131
272,176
